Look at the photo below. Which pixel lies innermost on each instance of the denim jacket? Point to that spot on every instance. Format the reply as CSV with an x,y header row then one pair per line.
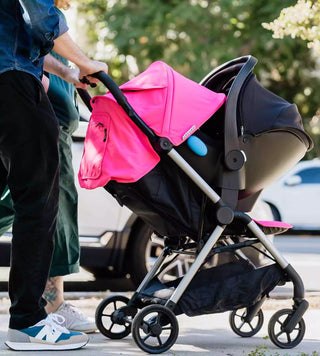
x,y
27,31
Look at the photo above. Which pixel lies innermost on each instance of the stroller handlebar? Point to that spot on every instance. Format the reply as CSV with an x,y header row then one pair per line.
x,y
109,83
123,102
112,86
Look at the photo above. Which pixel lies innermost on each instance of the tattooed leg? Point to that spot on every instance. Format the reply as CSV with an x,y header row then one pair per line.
x,y
53,294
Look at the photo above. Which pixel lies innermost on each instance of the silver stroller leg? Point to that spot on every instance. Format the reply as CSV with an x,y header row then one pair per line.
x,y
300,304
195,267
268,245
292,274
152,271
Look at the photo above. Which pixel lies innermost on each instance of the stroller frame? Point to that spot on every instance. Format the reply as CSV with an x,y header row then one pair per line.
x,y
128,315
300,304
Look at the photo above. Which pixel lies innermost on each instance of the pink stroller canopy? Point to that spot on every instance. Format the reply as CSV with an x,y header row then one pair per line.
x,y
170,104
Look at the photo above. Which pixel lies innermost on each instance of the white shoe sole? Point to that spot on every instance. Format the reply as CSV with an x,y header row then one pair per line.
x,y
86,331
34,346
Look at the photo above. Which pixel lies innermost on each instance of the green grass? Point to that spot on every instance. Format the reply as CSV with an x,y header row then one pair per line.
x,y
263,351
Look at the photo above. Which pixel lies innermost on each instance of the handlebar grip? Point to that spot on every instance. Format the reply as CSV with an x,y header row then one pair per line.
x,y
85,80
108,82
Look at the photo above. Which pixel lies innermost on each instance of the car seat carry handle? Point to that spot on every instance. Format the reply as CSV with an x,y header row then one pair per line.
x,y
233,156
123,102
233,179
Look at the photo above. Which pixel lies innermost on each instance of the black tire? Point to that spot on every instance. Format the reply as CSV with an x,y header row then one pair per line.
x,y
154,321
137,253
275,212
242,328
104,318
280,337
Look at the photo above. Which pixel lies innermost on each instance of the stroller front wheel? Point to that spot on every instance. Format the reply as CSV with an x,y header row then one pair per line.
x,y
277,333
243,328
111,321
155,329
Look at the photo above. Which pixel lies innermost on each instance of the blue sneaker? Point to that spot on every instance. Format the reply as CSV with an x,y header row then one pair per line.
x,y
47,334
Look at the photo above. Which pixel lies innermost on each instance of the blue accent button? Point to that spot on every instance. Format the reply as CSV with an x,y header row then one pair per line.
x,y
197,146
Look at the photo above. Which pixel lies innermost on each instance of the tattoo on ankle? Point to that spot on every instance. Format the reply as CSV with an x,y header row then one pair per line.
x,y
51,291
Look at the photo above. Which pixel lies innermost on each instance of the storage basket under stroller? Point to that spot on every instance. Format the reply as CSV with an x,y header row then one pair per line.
x,y
138,146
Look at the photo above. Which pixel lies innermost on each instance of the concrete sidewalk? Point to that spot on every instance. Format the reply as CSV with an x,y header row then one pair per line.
x,y
199,336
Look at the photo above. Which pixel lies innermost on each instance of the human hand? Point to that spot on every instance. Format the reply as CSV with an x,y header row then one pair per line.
x,y
67,48
56,67
73,76
92,67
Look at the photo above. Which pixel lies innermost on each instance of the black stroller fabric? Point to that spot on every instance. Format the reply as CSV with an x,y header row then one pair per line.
x,y
226,287
166,199
261,110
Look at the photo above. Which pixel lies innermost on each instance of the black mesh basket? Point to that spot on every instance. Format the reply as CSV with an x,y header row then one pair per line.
x,y
218,289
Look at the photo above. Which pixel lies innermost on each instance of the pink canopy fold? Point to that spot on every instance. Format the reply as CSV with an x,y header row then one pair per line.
x,y
170,104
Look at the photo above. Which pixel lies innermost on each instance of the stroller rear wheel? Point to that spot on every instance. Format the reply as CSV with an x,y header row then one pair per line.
x,y
243,328
112,320
277,333
155,329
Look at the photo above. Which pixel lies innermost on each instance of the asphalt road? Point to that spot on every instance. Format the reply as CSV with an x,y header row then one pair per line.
x,y
302,252
308,244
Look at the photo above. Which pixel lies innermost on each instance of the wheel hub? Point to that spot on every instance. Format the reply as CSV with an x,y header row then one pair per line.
x,y
117,317
155,329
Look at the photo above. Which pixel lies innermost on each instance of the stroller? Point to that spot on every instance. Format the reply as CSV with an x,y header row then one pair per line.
x,y
192,176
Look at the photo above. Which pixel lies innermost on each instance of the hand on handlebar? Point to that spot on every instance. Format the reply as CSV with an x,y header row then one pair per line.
x,y
90,68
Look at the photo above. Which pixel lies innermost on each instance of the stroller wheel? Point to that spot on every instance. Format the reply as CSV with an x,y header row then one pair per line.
x,y
279,336
155,329
111,319
244,328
